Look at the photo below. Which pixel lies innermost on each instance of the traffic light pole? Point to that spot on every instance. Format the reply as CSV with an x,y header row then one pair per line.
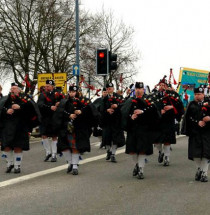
x,y
77,36
104,80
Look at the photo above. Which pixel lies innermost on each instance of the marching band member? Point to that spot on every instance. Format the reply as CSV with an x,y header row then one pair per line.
x,y
18,115
171,108
196,125
74,119
112,133
48,101
138,117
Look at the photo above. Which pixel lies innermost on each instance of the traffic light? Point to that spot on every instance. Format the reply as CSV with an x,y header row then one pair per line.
x,y
112,61
102,62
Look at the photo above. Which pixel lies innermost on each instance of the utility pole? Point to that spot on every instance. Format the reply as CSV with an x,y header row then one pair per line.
x,y
77,37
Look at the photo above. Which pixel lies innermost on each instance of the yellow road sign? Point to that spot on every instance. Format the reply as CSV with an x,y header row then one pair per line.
x,y
59,78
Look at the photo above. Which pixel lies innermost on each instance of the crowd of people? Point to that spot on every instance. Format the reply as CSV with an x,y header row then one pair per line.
x,y
66,123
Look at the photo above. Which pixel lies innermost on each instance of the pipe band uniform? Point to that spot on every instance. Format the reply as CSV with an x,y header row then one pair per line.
x,y
138,118
48,101
19,114
74,120
112,133
196,125
171,108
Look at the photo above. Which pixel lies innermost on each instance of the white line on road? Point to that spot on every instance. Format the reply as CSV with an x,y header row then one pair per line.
x,y
52,170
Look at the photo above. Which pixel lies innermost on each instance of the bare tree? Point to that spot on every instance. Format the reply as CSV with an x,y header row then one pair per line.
x,y
38,36
118,37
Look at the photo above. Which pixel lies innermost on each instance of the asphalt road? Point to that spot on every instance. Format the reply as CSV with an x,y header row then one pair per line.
x,y
102,187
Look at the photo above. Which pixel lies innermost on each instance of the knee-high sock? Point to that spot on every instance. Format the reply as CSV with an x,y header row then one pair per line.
x,y
46,145
68,156
108,147
166,150
135,158
99,138
159,147
75,160
204,165
54,147
114,149
18,159
9,158
197,162
141,161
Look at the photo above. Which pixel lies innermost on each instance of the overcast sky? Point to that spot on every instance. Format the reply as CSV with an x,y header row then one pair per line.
x,y
169,33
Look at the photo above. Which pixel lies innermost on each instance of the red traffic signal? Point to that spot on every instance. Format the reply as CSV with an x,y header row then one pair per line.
x,y
101,54
102,61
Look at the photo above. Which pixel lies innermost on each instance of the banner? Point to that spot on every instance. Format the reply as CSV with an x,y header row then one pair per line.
x,y
190,79
59,78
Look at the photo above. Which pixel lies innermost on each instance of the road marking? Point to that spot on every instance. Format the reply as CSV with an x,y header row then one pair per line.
x,y
52,170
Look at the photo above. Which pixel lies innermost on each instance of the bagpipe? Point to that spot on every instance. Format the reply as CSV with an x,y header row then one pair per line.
x,y
80,104
76,106
206,107
171,75
58,95
115,99
165,98
140,102
89,88
30,110
170,98
19,99
168,83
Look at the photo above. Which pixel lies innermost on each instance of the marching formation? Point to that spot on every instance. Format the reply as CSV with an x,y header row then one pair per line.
x,y
66,123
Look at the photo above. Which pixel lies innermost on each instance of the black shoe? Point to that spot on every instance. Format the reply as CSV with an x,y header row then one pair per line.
x,y
53,159
113,159
160,157
108,156
140,174
166,161
16,171
198,175
136,170
70,167
47,157
75,172
9,169
204,178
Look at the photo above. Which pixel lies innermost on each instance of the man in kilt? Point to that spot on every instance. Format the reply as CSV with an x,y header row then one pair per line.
x,y
19,114
112,133
138,117
171,107
48,101
74,119
196,125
